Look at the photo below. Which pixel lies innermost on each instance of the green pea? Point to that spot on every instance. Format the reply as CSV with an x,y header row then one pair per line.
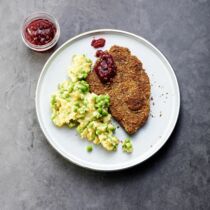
x,y
98,132
53,99
100,110
104,113
89,148
75,109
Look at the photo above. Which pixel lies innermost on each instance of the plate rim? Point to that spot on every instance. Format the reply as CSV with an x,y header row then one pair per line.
x,y
136,161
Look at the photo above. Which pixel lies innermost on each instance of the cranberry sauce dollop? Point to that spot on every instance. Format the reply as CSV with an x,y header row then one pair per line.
x,y
105,67
40,31
96,43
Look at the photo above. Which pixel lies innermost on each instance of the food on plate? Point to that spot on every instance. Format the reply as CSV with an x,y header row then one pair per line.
x,y
127,146
117,82
129,89
73,105
97,43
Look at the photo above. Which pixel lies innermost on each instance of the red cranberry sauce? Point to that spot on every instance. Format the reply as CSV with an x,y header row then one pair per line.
x,y
105,67
40,31
96,43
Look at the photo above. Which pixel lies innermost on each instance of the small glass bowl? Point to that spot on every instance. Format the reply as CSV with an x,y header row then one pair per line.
x,y
35,16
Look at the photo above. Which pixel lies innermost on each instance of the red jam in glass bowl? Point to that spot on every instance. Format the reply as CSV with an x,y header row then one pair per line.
x,y
40,31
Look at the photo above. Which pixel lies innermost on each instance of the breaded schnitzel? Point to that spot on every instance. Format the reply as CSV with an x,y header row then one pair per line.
x,y
129,90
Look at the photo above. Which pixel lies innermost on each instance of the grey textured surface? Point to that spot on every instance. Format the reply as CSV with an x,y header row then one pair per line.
x,y
34,176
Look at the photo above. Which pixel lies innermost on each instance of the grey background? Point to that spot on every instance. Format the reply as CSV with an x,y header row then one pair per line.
x,y
34,176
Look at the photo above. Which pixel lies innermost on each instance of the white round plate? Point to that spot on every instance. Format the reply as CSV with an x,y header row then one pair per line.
x,y
148,140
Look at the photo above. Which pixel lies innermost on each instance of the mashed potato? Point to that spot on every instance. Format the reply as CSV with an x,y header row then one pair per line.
x,y
73,105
